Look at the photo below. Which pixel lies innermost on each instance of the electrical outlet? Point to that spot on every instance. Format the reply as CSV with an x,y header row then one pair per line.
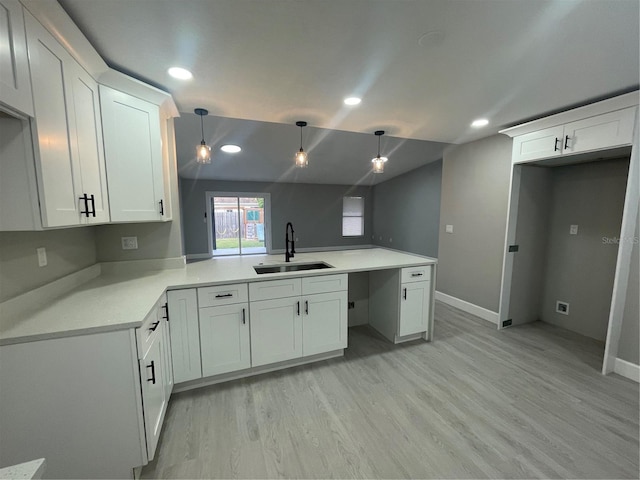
x,y
42,256
129,243
573,230
562,307
448,229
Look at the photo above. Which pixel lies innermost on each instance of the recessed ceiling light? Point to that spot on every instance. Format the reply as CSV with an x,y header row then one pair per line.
x,y
230,148
180,73
351,101
481,122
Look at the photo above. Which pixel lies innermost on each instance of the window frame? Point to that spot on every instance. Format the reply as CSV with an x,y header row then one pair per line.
x,y
361,216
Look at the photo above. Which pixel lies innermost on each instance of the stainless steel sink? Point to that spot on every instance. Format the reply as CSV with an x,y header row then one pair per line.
x,y
290,267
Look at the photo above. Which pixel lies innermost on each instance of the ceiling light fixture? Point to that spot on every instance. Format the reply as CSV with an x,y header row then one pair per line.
x,y
180,73
301,156
351,101
203,151
230,148
378,162
481,122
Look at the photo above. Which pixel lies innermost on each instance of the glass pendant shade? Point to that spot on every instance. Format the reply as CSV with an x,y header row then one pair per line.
x,y
378,162
301,158
203,151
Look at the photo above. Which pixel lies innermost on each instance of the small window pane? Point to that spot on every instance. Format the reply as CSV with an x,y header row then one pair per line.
x,y
353,217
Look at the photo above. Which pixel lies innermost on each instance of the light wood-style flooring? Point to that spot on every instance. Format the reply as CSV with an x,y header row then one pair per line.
x,y
527,402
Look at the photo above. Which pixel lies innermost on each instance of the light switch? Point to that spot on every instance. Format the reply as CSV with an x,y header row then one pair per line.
x,y
129,243
448,228
573,230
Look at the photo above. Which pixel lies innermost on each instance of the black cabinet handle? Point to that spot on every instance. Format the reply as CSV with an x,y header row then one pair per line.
x,y
555,147
225,295
161,207
85,199
298,308
566,142
153,327
165,307
417,274
93,206
404,293
153,372
244,317
306,307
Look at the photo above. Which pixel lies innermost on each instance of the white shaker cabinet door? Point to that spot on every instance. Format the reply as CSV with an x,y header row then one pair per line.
x,y
600,132
545,143
185,334
57,167
276,330
414,308
224,339
324,323
15,82
133,152
154,400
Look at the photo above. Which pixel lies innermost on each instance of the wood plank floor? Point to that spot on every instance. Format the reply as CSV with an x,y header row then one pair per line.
x,y
527,402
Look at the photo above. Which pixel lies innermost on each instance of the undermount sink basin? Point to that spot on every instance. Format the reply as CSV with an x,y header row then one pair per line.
x,y
290,267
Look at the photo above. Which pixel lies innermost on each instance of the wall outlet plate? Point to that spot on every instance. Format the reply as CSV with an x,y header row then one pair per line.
x,y
562,307
129,243
573,230
42,256
448,228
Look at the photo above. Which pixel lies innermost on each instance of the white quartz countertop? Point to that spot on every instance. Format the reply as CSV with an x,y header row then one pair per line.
x,y
116,301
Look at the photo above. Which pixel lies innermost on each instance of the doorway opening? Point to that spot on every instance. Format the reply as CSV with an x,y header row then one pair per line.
x,y
238,223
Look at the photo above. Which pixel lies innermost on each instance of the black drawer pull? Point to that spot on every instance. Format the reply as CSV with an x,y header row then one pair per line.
x,y
566,142
306,307
404,293
226,295
154,325
298,308
93,206
153,372
417,274
85,199
161,207
165,307
244,317
555,146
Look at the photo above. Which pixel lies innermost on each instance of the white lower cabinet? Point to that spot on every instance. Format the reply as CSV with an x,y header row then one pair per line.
x,y
184,331
224,339
276,330
324,324
414,308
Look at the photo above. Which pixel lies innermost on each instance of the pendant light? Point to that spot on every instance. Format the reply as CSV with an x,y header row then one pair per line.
x,y
301,156
203,151
378,162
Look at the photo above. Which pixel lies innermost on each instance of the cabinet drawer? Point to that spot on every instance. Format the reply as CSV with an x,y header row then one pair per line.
x,y
151,327
416,274
324,284
222,295
290,287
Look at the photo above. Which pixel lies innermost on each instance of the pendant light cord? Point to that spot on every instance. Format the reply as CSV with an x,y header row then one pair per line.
x,y
202,128
300,138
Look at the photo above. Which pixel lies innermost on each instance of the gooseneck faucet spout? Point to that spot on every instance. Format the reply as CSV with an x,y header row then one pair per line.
x,y
288,254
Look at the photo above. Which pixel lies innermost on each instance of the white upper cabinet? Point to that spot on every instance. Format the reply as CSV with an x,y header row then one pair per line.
x,y
15,84
133,151
69,157
590,134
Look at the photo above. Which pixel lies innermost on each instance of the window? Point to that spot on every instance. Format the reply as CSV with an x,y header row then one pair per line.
x,y
238,223
353,216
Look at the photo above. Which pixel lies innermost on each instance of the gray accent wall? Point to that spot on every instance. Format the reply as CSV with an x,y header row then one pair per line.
x,y
314,210
629,348
68,251
580,268
475,195
406,211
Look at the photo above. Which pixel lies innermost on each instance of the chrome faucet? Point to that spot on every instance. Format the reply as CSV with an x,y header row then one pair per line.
x,y
289,254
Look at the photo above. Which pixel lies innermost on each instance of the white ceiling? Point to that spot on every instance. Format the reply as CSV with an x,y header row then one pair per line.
x,y
285,60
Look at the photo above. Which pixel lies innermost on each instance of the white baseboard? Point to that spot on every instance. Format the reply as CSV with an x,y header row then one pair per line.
x,y
143,265
471,308
627,369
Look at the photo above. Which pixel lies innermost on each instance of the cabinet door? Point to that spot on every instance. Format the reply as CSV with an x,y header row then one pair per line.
x,y
153,393
15,83
600,132
185,334
545,143
414,308
163,318
59,185
276,330
324,324
224,339
133,154
86,129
